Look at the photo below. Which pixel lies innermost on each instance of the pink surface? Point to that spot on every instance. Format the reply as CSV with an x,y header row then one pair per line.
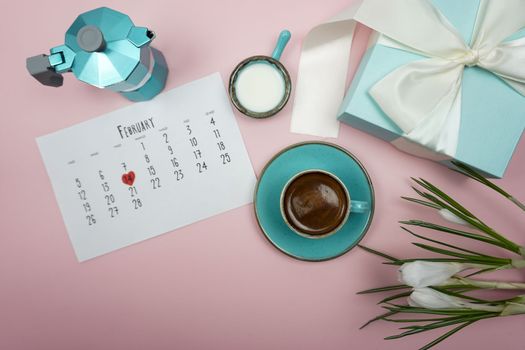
x,y
217,284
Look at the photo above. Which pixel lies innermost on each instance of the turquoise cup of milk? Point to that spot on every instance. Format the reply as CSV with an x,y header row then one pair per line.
x,y
260,86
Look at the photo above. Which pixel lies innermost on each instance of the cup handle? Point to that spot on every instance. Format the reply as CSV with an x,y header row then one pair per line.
x,y
359,207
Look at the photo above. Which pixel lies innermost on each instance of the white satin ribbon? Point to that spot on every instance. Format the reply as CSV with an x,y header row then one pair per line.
x,y
422,97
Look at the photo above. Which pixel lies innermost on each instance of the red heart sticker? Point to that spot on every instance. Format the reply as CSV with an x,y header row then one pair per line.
x,y
129,178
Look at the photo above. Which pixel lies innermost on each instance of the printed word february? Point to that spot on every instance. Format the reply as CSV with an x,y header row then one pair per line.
x,y
126,131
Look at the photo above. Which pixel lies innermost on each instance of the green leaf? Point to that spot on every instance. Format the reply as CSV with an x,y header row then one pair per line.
x,y
377,318
393,263
378,253
470,172
518,203
421,310
443,243
422,202
463,261
460,287
404,334
474,222
456,232
446,335
423,194
394,297
469,258
413,320
444,205
441,324
473,174
429,186
440,251
488,269
384,289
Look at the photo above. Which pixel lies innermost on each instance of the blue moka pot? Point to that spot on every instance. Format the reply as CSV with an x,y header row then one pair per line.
x,y
103,48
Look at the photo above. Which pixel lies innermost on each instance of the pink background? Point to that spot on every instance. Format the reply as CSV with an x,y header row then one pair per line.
x,y
217,284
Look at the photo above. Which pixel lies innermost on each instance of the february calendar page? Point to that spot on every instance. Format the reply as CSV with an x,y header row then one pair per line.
x,y
149,168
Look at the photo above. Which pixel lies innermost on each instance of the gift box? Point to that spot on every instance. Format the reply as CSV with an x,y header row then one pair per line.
x,y
492,113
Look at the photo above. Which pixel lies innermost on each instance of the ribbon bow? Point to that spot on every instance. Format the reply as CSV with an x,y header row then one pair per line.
x,y
424,97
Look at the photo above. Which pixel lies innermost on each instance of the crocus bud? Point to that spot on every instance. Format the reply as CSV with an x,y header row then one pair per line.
x,y
432,299
449,216
421,273
429,298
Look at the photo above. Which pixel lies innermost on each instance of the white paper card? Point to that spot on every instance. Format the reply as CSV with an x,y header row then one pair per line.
x,y
149,168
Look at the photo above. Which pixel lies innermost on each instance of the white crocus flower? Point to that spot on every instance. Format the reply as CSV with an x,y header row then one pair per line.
x,y
449,216
432,299
420,273
429,298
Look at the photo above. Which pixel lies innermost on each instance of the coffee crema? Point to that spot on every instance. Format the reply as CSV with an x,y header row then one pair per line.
x,y
315,203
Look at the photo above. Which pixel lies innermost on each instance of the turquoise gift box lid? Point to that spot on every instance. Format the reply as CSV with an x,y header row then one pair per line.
x,y
492,113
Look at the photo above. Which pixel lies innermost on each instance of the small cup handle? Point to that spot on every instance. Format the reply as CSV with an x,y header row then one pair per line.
x,y
284,37
359,207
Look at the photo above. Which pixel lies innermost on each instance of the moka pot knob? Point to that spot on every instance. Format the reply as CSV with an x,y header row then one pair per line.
x,y
90,39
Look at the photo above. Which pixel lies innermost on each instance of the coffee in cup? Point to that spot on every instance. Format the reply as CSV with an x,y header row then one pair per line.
x,y
316,203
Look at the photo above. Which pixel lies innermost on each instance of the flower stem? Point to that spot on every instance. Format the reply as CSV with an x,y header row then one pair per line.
x,y
518,263
486,284
512,308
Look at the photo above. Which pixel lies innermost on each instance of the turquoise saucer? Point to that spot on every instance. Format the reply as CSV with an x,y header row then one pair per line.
x,y
298,158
